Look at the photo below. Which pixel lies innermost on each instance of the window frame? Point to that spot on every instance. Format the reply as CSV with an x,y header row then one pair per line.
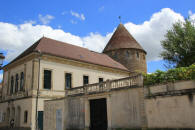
x,y
99,79
25,116
16,82
84,79
21,81
65,80
12,85
137,55
51,82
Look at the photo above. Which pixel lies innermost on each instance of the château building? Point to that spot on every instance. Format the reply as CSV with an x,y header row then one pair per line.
x,y
48,68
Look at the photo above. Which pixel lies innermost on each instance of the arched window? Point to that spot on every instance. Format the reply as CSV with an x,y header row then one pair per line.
x,y
12,85
13,113
25,116
18,116
21,81
16,83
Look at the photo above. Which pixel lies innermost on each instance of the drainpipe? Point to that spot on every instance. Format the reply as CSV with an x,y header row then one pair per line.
x,y
37,96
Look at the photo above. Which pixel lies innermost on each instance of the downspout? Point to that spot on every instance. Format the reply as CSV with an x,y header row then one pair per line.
x,y
37,96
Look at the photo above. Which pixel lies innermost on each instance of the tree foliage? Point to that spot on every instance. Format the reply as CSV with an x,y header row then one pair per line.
x,y
179,44
172,75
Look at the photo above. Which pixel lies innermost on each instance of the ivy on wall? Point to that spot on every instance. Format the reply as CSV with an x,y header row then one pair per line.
x,y
172,75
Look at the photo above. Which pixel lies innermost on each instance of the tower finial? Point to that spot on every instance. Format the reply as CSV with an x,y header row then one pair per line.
x,y
119,17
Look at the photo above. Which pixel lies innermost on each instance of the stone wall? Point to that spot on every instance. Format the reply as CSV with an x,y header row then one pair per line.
x,y
132,59
50,109
164,106
171,105
123,110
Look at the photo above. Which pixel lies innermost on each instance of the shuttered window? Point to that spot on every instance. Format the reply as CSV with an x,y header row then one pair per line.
x,y
47,79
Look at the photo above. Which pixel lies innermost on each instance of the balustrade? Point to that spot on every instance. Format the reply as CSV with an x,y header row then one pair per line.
x,y
109,85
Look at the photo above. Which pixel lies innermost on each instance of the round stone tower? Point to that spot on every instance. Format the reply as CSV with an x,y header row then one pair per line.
x,y
123,48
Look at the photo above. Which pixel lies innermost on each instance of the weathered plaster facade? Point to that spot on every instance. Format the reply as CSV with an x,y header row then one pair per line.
x,y
171,105
164,106
25,100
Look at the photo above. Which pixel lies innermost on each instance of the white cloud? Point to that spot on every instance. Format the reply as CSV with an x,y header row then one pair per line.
x,y
191,16
77,15
45,19
150,33
16,38
30,21
73,22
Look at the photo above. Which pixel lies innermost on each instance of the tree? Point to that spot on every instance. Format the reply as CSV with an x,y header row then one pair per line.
x,y
179,44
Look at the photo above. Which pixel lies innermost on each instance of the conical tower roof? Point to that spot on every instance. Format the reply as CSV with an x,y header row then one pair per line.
x,y
122,39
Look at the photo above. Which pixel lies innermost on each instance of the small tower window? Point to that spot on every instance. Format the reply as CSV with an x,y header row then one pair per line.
x,y
115,55
127,54
137,55
144,57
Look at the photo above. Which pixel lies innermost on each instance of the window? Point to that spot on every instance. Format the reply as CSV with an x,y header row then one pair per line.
x,y
115,55
68,80
21,81
47,79
137,55
101,80
16,83
127,54
12,85
85,80
8,114
25,116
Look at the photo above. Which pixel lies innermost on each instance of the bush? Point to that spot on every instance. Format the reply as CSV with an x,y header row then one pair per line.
x,y
172,75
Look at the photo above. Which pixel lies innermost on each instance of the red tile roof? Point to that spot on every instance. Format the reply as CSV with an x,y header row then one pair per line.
x,y
68,51
122,39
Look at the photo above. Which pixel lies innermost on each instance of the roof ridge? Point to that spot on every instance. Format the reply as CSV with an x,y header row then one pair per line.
x,y
66,43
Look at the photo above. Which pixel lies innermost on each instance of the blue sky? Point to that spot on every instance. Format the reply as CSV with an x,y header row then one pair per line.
x,y
89,23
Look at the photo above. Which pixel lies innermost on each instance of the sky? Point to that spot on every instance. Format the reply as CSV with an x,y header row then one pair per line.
x,y
89,23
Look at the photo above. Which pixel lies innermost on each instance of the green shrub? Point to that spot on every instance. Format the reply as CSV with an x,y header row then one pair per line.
x,y
172,75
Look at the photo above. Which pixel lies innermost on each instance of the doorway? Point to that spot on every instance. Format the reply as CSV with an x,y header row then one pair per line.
x,y
98,114
40,120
